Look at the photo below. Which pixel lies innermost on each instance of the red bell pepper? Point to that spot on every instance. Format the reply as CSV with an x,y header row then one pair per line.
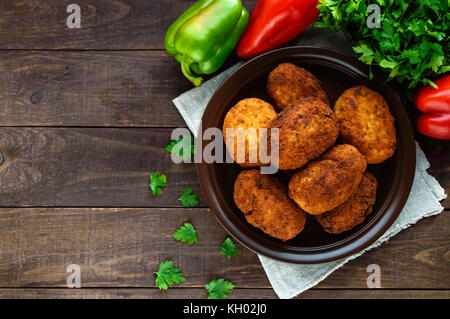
x,y
435,103
275,22
435,125
430,100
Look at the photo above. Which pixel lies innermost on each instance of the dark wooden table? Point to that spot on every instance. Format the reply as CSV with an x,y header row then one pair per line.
x,y
85,116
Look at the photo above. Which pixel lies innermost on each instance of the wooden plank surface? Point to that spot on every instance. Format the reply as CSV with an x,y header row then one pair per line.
x,y
107,88
105,24
89,167
123,247
199,293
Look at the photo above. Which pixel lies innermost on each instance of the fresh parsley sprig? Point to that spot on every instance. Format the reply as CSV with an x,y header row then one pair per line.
x,y
168,275
188,199
184,146
219,289
156,182
228,248
186,233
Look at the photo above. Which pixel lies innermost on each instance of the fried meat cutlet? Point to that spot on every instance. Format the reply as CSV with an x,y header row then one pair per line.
x,y
266,205
328,181
354,210
288,83
366,123
246,114
306,130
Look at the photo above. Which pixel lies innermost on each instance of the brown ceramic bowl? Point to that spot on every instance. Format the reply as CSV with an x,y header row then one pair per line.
x,y
337,72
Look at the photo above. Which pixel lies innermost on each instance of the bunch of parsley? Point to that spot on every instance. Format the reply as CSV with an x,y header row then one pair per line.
x,y
411,45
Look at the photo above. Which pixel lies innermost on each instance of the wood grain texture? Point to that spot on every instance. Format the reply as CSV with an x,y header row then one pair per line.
x,y
199,293
89,167
97,88
105,24
101,167
123,247
90,88
120,248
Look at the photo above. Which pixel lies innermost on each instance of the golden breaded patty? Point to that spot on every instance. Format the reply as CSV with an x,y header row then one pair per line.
x,y
306,130
366,123
328,181
266,205
248,113
354,210
289,83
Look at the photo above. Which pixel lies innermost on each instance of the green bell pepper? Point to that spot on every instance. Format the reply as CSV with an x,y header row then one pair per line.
x,y
204,35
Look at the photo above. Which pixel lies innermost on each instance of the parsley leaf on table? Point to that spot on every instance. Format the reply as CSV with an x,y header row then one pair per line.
x,y
219,289
188,199
186,233
179,146
156,182
228,248
167,275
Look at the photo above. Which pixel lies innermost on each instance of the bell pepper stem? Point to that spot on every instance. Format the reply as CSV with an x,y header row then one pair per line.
x,y
186,63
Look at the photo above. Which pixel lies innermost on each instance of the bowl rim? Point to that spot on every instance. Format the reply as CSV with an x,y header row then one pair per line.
x,y
389,210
